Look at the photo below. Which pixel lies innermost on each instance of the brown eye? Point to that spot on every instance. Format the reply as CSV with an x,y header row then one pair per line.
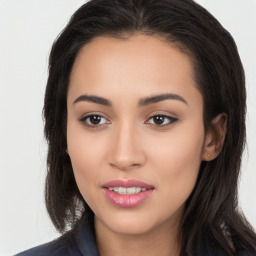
x,y
158,119
161,120
93,120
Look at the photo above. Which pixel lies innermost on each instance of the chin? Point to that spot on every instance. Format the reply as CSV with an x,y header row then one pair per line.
x,y
132,229
129,223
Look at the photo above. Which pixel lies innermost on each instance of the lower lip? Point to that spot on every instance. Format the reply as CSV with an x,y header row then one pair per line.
x,y
127,201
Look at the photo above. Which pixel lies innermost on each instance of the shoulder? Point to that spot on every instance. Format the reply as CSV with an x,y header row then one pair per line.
x,y
62,246
211,249
245,253
79,241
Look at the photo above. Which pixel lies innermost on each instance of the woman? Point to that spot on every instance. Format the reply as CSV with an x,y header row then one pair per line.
x,y
145,120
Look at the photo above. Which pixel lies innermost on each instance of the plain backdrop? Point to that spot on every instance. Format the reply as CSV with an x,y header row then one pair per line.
x,y
27,31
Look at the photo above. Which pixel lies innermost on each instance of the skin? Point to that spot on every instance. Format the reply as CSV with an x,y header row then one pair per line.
x,y
129,144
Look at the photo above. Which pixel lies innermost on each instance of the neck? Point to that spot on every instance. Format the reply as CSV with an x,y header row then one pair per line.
x,y
161,241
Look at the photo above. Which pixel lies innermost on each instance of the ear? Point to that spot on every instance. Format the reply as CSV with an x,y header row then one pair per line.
x,y
67,150
214,137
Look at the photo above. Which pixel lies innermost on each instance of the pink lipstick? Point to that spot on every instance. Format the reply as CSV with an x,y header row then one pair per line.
x,y
127,193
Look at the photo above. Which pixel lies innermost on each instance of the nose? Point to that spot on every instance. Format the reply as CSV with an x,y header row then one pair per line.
x,y
126,150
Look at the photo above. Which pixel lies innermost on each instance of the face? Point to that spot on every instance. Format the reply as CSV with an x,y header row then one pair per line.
x,y
135,131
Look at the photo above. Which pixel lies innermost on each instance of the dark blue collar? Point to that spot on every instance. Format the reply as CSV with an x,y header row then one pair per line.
x,y
86,241
85,238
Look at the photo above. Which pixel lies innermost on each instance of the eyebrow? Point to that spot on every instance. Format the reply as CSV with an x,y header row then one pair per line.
x,y
94,99
142,102
161,97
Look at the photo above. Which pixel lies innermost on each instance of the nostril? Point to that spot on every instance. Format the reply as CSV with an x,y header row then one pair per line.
x,y
125,166
125,154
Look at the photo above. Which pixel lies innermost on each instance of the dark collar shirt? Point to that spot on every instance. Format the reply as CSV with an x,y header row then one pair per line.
x,y
81,242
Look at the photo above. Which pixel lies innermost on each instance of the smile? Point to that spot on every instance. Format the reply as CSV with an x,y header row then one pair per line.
x,y
127,193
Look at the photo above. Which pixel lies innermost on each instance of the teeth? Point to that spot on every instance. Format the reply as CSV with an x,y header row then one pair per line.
x,y
127,191
122,191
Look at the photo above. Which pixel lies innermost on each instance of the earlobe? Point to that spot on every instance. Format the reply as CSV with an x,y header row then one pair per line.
x,y
214,138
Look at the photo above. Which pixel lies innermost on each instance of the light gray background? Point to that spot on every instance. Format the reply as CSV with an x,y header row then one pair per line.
x,y
27,30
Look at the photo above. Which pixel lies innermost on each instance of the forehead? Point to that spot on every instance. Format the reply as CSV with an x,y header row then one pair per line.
x,y
139,63
144,49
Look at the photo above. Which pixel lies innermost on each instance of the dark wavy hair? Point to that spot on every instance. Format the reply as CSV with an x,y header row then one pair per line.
x,y
211,212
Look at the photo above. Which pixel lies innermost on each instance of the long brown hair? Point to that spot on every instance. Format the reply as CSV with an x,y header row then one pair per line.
x,y
211,213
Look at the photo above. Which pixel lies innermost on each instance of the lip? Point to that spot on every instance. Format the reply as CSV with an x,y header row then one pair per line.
x,y
127,184
127,200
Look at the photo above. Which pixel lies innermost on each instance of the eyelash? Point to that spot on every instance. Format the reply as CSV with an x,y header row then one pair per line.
x,y
84,119
170,119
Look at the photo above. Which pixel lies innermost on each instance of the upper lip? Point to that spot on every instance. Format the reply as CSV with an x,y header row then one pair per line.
x,y
127,184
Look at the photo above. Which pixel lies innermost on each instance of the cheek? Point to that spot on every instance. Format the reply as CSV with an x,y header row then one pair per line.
x,y
86,168
84,148
180,153
177,157
84,152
